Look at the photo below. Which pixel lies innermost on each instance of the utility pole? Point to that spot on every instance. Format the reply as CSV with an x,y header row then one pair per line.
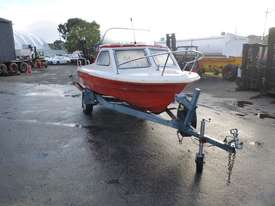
x,y
268,11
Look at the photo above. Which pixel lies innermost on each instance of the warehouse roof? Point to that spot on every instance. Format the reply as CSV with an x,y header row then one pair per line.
x,y
23,39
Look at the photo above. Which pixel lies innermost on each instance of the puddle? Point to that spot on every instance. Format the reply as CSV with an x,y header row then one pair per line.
x,y
243,103
51,94
42,155
265,115
256,97
240,114
69,125
113,181
72,95
8,93
76,125
33,90
47,94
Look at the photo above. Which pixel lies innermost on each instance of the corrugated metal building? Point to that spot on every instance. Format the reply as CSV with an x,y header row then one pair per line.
x,y
225,45
22,39
16,43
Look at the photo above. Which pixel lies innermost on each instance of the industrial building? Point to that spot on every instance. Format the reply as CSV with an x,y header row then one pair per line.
x,y
22,40
227,44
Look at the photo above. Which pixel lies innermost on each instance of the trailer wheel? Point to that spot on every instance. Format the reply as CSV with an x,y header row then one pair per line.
x,y
199,163
86,108
13,68
23,67
3,69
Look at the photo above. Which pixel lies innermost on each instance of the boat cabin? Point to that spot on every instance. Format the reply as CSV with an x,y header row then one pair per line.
x,y
121,57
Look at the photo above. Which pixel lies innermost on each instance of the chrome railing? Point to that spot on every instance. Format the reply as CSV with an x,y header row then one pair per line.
x,y
197,56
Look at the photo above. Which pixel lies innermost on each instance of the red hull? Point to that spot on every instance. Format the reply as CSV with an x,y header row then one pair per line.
x,y
148,97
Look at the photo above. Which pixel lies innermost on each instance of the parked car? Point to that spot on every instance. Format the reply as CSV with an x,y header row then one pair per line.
x,y
58,60
77,56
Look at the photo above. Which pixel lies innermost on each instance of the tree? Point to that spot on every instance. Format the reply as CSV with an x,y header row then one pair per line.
x,y
76,31
59,44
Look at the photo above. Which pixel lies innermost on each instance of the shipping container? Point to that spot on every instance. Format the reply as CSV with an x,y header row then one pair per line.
x,y
7,49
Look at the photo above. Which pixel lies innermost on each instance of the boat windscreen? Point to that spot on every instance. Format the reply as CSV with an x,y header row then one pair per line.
x,y
161,59
127,55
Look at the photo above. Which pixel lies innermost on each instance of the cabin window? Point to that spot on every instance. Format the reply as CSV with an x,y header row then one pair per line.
x,y
161,59
103,59
123,56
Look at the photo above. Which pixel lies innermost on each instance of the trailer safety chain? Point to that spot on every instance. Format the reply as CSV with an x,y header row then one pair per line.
x,y
231,161
232,140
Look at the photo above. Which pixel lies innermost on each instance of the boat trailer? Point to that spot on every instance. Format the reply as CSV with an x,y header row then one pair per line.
x,y
185,121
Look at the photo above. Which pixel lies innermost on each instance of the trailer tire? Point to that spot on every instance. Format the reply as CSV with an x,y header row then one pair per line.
x,y
181,113
3,69
86,108
23,67
199,164
13,69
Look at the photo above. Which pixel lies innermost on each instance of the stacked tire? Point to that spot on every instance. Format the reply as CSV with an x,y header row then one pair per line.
x,y
229,72
23,67
13,68
3,70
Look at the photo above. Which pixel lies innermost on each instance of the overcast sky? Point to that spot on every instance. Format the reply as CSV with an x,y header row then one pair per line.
x,y
186,18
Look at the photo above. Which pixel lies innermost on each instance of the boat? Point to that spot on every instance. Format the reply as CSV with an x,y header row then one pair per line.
x,y
146,77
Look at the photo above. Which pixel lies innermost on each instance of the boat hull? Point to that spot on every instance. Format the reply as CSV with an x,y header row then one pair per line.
x,y
153,97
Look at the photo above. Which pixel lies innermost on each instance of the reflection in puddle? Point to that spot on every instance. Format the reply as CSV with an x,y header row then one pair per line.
x,y
50,90
240,114
243,103
256,143
49,94
52,94
76,125
113,181
265,115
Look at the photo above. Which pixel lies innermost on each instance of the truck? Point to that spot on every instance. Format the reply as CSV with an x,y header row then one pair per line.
x,y
9,64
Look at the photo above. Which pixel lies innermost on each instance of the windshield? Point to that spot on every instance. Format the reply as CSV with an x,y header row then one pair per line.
x,y
161,59
127,55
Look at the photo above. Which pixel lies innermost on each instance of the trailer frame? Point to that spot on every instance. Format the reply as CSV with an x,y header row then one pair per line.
x,y
183,122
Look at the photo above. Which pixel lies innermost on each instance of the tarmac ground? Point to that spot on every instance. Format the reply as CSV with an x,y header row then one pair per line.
x,y
53,154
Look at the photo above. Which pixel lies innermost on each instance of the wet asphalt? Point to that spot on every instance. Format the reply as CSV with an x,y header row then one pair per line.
x,y
53,154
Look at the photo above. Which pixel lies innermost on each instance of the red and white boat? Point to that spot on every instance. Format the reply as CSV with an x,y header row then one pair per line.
x,y
143,82
145,76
